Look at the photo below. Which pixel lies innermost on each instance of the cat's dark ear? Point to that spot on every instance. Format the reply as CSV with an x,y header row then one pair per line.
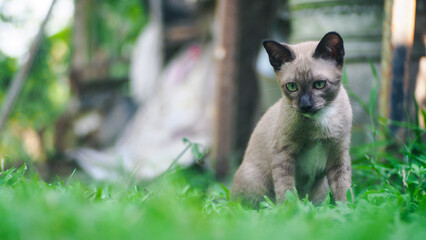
x,y
278,53
331,48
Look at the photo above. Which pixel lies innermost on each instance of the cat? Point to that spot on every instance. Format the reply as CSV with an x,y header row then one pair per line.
x,y
302,141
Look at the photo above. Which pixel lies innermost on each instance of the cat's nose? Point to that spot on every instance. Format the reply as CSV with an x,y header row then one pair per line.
x,y
305,105
306,108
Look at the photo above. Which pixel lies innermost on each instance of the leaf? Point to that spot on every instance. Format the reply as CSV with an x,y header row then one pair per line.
x,y
269,202
72,174
226,190
98,195
196,153
264,205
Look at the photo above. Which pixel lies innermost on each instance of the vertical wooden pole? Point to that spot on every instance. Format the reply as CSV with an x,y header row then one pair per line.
x,y
386,60
226,53
420,91
243,26
398,38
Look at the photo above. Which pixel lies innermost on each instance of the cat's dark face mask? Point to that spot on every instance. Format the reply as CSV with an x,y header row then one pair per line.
x,y
310,94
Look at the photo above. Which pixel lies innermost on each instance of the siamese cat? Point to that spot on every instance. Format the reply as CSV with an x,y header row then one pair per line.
x,y
302,141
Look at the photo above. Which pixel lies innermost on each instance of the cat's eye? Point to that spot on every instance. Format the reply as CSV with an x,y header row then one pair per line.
x,y
319,84
292,87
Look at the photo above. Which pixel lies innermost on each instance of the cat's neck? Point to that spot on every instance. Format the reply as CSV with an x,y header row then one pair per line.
x,y
328,123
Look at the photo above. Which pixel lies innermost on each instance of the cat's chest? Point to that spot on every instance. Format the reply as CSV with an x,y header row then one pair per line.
x,y
312,159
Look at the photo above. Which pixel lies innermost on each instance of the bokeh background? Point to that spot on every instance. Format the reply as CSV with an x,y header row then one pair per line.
x,y
115,86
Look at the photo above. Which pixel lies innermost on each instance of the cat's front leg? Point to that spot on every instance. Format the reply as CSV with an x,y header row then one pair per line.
x,y
338,172
283,174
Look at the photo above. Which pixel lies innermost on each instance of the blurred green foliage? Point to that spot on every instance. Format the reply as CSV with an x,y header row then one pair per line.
x,y
43,97
113,27
386,158
8,67
46,90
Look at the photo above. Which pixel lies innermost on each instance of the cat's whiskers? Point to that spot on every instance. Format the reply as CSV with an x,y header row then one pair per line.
x,y
293,113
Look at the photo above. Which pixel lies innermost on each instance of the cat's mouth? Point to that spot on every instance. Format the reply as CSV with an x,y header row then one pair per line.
x,y
309,114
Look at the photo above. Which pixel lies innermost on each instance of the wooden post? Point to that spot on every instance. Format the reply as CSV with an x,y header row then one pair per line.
x,y
226,53
398,35
243,26
386,60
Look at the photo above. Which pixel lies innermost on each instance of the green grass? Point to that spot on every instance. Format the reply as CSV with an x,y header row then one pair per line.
x,y
186,204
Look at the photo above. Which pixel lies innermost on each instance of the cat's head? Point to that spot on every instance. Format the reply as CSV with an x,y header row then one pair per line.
x,y
309,73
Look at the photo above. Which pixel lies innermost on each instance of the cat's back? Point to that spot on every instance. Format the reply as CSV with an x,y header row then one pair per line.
x,y
253,178
258,151
260,143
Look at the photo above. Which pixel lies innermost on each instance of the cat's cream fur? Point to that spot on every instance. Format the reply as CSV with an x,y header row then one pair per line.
x,y
292,149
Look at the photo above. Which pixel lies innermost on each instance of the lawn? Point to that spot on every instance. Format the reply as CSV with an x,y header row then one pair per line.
x,y
188,204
